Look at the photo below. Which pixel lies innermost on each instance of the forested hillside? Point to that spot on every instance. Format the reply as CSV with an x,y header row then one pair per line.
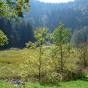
x,y
18,32
73,14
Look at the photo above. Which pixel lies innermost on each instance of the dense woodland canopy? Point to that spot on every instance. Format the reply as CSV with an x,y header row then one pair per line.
x,y
72,14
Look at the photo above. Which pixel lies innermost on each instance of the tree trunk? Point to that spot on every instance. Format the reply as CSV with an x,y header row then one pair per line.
x,y
61,59
40,62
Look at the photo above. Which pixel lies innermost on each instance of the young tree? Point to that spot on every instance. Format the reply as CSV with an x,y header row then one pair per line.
x,y
3,39
40,35
61,36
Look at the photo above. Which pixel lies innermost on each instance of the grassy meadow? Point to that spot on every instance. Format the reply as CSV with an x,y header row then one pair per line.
x,y
10,61
71,84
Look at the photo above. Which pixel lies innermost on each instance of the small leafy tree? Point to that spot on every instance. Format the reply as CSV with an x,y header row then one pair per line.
x,y
3,39
61,36
40,35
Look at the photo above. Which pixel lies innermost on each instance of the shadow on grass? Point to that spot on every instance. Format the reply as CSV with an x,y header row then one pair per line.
x,y
85,79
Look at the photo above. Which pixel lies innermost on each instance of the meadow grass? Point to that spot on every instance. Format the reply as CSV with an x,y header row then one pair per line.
x,y
11,58
16,56
70,84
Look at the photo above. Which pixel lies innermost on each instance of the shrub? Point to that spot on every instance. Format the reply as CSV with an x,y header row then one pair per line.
x,y
30,45
53,78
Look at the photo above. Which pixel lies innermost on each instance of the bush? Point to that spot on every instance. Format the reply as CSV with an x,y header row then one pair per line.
x,y
53,78
30,45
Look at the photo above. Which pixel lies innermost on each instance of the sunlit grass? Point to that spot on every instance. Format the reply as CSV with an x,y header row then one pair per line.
x,y
71,84
17,55
10,61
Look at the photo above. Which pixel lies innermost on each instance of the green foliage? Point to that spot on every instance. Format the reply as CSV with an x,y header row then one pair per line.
x,y
10,8
6,10
40,35
53,77
61,35
30,45
61,38
44,63
22,5
3,39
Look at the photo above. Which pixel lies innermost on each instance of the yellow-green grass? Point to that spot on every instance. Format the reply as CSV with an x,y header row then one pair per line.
x,y
16,56
11,59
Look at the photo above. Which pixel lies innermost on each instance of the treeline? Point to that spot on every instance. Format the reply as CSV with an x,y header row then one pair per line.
x,y
18,33
75,14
